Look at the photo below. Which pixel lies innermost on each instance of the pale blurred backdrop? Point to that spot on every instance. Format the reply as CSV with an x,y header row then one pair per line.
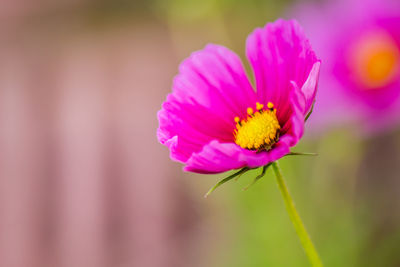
x,y
84,182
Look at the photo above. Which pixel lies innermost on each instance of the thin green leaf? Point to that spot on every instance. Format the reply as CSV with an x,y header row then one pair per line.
x,y
258,177
237,177
301,154
221,182
309,113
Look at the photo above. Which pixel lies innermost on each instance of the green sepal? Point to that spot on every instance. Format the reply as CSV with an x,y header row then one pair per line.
x,y
237,177
309,113
221,182
301,154
258,177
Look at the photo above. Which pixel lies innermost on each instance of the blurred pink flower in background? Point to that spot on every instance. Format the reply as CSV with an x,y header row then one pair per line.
x,y
359,44
208,121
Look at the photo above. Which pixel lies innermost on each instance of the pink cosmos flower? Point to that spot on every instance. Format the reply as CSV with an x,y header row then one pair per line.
x,y
214,120
359,42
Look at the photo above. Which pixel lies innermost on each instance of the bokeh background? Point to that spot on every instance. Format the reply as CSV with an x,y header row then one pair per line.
x,y
84,182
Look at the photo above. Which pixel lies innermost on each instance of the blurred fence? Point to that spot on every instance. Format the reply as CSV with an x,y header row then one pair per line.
x,y
83,181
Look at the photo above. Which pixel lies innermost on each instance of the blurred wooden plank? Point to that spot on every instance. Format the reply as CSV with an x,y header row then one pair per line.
x,y
82,147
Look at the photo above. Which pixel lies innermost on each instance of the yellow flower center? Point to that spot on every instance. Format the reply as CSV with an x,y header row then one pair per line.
x,y
376,60
259,130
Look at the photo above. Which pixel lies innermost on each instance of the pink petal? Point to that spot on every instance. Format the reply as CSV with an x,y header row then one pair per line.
x,y
209,91
293,126
280,53
219,157
309,88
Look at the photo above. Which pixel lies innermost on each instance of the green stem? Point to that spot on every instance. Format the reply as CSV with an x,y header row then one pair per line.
x,y
296,220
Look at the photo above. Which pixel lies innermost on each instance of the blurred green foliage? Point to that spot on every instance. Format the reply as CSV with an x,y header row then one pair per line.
x,y
263,234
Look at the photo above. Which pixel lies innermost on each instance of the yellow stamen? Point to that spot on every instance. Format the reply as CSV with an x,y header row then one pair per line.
x,y
259,106
260,130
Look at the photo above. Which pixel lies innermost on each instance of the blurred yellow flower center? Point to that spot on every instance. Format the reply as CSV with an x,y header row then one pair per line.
x,y
259,130
376,60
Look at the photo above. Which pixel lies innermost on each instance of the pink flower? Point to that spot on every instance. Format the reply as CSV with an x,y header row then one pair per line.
x,y
214,121
359,42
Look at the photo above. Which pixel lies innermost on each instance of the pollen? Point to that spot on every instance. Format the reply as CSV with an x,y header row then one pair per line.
x,y
259,130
